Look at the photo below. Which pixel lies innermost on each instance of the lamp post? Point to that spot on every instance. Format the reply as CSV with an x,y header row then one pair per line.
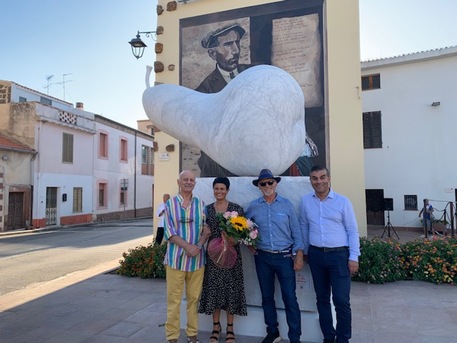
x,y
138,45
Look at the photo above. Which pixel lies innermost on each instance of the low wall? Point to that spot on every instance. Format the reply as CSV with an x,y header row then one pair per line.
x,y
76,219
141,212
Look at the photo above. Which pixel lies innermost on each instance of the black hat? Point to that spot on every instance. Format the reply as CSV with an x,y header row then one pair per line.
x,y
210,41
265,174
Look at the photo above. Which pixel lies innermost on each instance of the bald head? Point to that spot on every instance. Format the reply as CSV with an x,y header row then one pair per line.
x,y
186,182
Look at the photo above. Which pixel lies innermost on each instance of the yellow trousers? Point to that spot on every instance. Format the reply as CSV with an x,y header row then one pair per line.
x,y
176,279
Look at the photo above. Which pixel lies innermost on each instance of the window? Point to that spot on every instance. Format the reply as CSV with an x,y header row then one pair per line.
x,y
147,163
102,196
372,132
22,99
371,82
103,145
123,194
45,101
77,199
411,202
123,198
67,148
124,154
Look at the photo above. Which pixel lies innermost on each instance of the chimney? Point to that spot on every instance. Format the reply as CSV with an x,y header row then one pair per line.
x,y
80,105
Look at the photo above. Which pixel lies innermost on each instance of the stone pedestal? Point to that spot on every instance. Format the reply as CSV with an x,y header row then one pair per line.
x,y
242,191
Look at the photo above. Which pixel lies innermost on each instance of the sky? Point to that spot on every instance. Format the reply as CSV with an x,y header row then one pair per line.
x,y
85,44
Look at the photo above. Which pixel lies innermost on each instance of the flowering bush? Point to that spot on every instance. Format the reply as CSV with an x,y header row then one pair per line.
x,y
238,227
144,262
380,261
432,260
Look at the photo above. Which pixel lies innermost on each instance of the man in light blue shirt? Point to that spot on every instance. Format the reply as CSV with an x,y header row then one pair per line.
x,y
279,251
332,247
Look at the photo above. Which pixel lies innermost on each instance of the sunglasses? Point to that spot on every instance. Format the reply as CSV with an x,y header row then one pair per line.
x,y
269,183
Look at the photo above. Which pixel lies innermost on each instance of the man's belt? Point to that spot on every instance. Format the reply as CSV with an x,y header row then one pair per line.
x,y
325,249
285,251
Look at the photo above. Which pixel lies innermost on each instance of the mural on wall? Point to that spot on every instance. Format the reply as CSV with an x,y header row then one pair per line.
x,y
216,47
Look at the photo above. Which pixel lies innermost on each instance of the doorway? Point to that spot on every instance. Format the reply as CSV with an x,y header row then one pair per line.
x,y
375,206
51,205
16,218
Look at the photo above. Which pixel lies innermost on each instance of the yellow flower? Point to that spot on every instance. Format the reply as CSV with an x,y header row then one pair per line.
x,y
239,223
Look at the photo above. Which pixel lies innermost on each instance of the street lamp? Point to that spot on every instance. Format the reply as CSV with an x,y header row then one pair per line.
x,y
138,45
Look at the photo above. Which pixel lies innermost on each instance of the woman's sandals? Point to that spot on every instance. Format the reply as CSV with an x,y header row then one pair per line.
x,y
214,338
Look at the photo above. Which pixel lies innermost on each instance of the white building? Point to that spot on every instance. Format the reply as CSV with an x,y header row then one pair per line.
x,y
123,171
409,120
82,167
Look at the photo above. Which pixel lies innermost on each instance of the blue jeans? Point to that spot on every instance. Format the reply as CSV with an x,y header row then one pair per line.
x,y
331,275
268,265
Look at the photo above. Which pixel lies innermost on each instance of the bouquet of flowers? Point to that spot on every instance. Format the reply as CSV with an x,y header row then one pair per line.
x,y
234,227
238,227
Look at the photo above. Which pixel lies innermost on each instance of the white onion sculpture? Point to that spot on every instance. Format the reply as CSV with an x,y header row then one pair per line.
x,y
257,121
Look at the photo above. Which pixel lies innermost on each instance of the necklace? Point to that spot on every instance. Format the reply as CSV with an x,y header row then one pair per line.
x,y
221,207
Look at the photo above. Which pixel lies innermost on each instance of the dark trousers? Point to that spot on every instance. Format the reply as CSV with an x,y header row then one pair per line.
x,y
268,266
159,235
331,275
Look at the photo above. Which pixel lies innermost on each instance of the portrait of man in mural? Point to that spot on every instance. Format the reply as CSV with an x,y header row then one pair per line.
x,y
223,46
214,51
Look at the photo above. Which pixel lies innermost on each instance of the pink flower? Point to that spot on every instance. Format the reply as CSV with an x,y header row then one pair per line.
x,y
229,215
253,234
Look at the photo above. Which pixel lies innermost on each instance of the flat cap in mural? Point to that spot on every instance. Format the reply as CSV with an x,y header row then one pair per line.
x,y
210,41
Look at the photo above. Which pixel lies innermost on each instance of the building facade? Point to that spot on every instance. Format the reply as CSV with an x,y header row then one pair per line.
x,y
409,120
77,166
16,161
123,171
268,27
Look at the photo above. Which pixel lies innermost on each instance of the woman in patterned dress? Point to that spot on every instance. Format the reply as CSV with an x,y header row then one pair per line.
x,y
223,288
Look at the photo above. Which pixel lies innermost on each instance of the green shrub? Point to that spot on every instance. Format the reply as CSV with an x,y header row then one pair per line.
x,y
433,260
144,262
379,262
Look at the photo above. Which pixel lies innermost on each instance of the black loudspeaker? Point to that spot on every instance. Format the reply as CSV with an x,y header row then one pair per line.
x,y
388,204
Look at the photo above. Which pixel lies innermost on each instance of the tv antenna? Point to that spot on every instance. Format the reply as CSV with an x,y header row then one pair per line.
x,y
48,83
63,83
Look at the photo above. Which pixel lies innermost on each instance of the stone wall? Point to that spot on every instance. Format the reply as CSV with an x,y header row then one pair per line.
x,y
5,92
17,121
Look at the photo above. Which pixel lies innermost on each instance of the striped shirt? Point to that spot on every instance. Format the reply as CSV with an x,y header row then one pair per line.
x,y
186,223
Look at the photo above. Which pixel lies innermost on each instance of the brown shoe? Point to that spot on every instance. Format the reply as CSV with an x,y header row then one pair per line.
x,y
172,341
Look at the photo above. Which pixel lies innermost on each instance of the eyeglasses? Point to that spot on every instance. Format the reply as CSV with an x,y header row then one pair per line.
x,y
269,183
